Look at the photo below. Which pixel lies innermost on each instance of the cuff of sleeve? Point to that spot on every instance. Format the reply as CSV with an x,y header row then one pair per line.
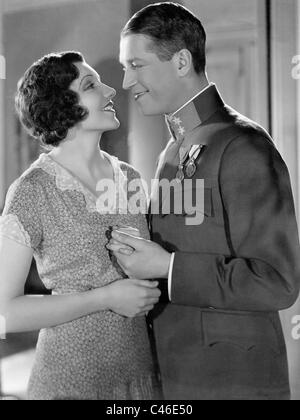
x,y
170,276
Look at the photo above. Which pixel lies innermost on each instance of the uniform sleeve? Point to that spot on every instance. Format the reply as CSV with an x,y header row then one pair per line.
x,y
262,272
21,218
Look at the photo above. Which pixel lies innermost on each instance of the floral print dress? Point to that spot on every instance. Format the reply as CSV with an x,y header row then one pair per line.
x,y
103,355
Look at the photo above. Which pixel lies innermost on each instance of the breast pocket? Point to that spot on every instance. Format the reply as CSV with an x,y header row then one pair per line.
x,y
194,204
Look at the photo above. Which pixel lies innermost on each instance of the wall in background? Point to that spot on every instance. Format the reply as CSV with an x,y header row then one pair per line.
x,y
2,110
236,50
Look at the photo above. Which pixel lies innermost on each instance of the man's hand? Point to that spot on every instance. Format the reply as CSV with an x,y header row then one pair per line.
x,y
132,298
138,257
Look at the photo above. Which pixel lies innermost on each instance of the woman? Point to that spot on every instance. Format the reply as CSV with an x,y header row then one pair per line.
x,y
94,342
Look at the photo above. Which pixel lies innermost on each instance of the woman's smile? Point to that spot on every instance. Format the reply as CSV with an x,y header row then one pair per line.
x,y
109,107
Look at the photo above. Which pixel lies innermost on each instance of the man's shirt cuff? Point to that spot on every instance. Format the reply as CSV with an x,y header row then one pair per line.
x,y
171,275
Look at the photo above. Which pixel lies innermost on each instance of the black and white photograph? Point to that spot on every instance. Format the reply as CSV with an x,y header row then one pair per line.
x,y
149,202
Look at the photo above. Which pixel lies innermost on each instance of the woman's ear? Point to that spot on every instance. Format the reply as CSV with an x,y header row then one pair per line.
x,y
184,62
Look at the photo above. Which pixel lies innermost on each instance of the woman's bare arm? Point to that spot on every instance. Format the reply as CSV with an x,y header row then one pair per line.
x,y
21,313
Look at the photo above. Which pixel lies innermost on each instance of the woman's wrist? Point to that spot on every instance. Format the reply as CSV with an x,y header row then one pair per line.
x,y
98,299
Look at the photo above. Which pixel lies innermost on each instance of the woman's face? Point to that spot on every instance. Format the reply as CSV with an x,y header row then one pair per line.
x,y
96,97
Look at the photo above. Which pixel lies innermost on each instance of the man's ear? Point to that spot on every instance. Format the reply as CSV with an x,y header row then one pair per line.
x,y
184,62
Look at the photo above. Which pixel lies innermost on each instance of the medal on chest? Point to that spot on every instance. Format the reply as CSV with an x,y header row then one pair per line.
x,y
191,167
183,155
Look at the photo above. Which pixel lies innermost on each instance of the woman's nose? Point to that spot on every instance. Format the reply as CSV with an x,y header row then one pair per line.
x,y
109,92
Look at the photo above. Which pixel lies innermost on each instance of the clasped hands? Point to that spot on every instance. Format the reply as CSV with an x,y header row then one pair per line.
x,y
142,261
138,257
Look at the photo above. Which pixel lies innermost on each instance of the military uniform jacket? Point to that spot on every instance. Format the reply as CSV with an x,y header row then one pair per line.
x,y
220,336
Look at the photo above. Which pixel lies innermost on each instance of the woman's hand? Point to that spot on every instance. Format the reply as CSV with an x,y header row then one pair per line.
x,y
115,246
132,298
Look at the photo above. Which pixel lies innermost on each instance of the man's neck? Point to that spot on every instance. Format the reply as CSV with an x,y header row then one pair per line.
x,y
191,92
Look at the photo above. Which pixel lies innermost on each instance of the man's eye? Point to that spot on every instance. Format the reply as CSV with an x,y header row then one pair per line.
x,y
132,66
135,66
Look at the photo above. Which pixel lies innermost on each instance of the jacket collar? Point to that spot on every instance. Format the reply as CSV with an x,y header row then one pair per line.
x,y
194,113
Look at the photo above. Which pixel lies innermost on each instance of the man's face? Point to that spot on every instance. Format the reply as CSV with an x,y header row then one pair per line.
x,y
153,83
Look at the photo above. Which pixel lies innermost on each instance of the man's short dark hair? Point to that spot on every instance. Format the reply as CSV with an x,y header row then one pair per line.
x,y
171,27
46,105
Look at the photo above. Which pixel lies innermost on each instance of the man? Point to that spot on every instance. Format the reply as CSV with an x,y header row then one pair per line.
x,y
218,333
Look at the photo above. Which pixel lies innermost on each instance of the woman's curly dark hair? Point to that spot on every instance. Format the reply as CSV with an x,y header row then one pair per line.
x,y
46,105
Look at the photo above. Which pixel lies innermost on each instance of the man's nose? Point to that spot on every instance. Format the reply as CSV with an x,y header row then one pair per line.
x,y
129,80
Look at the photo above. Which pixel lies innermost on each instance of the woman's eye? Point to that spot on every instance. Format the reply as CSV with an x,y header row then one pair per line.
x,y
90,86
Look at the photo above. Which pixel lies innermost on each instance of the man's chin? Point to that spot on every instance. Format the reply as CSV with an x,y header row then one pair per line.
x,y
148,112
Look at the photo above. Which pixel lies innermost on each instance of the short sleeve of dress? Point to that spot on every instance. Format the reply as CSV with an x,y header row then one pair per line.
x,y
21,217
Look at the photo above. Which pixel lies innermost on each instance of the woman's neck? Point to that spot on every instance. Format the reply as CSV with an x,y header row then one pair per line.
x,y
81,153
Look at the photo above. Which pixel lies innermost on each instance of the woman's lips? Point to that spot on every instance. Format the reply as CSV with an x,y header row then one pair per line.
x,y
109,107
